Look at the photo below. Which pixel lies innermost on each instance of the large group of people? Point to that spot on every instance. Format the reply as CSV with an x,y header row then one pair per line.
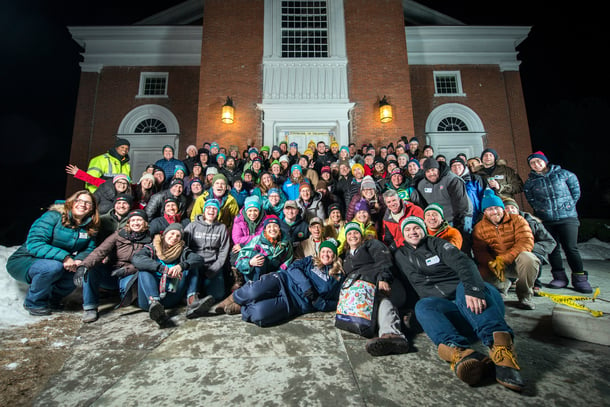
x,y
273,233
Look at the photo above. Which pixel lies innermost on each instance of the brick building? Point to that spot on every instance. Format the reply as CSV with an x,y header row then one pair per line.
x,y
299,70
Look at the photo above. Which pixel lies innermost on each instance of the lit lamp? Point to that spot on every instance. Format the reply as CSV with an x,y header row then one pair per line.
x,y
385,110
228,111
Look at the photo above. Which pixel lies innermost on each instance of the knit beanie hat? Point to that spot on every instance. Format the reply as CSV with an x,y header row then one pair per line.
x,y
212,202
333,207
221,155
296,167
414,140
271,219
211,171
284,158
146,175
510,201
538,154
121,142
415,161
167,146
214,145
274,191
490,199
304,185
120,177
176,181
174,226
368,183
413,220
352,226
430,163
492,151
196,181
265,148
219,176
179,168
457,160
124,197
357,165
138,212
170,199
435,207
252,202
294,144
361,205
330,243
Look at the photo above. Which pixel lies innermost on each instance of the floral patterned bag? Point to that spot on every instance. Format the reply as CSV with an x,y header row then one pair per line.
x,y
357,308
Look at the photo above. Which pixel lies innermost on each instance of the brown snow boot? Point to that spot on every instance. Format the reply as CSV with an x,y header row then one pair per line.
x,y
469,365
505,359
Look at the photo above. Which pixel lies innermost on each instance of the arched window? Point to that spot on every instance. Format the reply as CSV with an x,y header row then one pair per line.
x,y
451,124
151,126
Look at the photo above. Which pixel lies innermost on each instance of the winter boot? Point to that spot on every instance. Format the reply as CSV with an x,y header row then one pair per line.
x,y
469,365
90,315
156,312
505,359
580,282
560,280
238,279
196,307
220,307
387,344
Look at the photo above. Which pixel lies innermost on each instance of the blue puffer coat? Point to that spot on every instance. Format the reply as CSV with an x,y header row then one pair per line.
x,y
49,239
553,195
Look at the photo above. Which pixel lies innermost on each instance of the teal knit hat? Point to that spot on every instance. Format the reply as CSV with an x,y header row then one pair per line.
x,y
491,199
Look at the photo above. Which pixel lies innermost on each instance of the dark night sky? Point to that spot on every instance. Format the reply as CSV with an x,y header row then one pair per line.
x,y
566,92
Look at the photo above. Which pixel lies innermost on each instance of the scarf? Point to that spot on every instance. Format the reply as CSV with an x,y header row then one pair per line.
x,y
252,225
167,255
172,219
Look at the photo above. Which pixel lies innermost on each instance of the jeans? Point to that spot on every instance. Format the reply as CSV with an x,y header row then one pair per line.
x,y
566,235
50,283
214,286
265,301
451,322
99,277
148,288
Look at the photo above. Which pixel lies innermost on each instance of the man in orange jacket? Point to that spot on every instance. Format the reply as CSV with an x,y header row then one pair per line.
x,y
437,226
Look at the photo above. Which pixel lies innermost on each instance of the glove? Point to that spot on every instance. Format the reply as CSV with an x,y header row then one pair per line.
x,y
80,276
497,267
119,272
311,295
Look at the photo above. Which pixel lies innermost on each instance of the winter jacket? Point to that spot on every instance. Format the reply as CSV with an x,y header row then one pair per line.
x,y
158,225
314,208
228,208
277,257
369,231
449,192
544,243
49,239
372,260
146,260
554,194
119,248
239,196
211,241
240,232
156,204
475,186
296,232
109,223
169,167
104,195
392,233
448,233
506,240
510,182
435,267
108,165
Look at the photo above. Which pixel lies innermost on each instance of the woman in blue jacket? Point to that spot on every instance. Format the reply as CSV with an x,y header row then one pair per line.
x,y
308,285
56,245
553,192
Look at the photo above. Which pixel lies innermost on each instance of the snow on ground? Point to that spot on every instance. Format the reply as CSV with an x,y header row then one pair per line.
x,y
11,297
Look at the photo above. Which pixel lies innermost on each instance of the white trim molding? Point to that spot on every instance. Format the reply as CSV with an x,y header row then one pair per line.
x,y
140,113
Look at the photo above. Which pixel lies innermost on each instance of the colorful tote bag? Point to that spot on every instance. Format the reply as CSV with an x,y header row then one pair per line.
x,y
356,309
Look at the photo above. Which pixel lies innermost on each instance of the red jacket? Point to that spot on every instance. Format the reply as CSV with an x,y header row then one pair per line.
x,y
392,234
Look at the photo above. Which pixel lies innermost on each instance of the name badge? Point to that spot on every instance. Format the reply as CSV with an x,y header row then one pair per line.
x,y
428,190
432,261
499,177
83,235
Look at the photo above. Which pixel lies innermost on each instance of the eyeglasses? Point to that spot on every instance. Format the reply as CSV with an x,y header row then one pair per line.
x,y
84,203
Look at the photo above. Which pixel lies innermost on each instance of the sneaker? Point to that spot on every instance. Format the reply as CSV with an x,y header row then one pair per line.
x,y
527,304
387,344
90,315
199,307
38,311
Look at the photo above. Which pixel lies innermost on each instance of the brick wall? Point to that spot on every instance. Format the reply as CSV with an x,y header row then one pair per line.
x,y
378,66
231,58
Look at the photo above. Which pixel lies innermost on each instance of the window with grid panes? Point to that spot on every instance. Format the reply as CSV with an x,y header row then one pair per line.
x,y
452,124
304,29
153,84
448,83
151,126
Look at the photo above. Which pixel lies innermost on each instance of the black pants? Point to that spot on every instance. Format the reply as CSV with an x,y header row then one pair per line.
x,y
565,233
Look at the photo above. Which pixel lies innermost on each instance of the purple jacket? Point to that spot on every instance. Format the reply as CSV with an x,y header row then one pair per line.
x,y
240,233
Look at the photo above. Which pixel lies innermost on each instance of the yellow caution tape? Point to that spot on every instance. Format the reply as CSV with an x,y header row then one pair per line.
x,y
570,301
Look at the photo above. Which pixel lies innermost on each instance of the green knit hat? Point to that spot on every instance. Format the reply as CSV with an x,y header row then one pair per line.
x,y
352,226
413,220
331,243
435,207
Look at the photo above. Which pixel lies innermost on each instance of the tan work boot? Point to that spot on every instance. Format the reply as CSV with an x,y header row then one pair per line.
x,y
469,365
220,307
505,359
